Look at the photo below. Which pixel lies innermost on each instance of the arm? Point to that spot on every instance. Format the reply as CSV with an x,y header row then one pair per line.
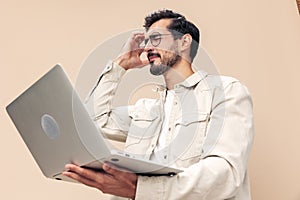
x,y
114,122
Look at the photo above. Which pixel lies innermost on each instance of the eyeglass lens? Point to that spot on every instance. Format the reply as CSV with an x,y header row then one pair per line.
x,y
154,38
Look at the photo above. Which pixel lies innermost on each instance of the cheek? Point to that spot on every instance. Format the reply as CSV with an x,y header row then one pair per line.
x,y
171,50
168,55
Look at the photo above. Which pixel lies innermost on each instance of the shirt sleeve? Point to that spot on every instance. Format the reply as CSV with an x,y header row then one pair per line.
x,y
112,122
221,172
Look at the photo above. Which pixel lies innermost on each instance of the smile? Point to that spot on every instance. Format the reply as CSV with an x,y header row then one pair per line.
x,y
151,56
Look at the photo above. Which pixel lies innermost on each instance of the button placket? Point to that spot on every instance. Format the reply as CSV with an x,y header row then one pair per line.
x,y
171,128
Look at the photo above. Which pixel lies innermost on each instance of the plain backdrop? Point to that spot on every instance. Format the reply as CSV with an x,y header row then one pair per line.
x,y
256,41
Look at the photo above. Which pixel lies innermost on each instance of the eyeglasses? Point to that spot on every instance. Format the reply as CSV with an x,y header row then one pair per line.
x,y
155,39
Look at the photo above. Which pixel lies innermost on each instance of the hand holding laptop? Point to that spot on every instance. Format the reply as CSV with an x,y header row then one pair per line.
x,y
112,180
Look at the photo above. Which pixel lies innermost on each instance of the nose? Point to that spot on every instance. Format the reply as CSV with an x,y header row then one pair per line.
x,y
148,46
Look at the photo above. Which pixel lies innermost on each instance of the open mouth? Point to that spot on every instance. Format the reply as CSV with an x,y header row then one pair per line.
x,y
152,56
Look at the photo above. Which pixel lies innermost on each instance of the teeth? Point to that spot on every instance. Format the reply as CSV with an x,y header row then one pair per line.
x,y
153,57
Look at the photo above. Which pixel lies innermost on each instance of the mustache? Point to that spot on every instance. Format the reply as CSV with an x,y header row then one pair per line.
x,y
153,54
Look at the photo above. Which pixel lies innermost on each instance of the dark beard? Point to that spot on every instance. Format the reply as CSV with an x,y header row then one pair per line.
x,y
162,68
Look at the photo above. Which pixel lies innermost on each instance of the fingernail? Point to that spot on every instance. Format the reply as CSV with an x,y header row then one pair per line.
x,y
65,173
105,167
67,167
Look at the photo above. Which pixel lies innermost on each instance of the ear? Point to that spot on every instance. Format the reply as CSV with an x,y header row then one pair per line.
x,y
186,42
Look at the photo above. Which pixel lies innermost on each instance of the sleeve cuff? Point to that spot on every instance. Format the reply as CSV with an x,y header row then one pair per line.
x,y
113,71
150,188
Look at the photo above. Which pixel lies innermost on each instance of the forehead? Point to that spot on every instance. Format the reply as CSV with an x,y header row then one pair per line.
x,y
159,26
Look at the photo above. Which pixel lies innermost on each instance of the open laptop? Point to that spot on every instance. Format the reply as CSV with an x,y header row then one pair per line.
x,y
57,129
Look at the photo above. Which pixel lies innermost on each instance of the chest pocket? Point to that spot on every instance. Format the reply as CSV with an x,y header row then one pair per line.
x,y
141,132
142,124
191,132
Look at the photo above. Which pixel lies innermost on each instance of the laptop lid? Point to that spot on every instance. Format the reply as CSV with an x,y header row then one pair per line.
x,y
55,131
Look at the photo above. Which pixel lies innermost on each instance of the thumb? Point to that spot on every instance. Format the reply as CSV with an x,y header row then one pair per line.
x,y
112,170
143,63
122,175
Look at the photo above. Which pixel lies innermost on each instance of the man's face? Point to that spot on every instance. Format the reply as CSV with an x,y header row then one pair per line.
x,y
162,48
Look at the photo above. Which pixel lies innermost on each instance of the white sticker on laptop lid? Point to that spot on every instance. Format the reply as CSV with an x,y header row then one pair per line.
x,y
50,126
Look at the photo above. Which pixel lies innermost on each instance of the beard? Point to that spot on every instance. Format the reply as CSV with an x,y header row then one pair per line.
x,y
165,64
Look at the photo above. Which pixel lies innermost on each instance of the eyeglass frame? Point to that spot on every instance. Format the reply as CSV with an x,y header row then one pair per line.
x,y
155,34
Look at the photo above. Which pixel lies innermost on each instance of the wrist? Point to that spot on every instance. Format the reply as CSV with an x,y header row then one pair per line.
x,y
121,62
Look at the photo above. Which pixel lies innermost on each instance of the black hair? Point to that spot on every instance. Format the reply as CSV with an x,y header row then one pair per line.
x,y
179,25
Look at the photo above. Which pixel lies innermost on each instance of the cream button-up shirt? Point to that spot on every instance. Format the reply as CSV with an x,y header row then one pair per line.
x,y
210,135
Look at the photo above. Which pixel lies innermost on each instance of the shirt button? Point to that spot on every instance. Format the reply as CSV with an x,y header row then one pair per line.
x,y
165,156
169,129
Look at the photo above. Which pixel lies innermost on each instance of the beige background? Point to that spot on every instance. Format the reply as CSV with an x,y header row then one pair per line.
x,y
256,41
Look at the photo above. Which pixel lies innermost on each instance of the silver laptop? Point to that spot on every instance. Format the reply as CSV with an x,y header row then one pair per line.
x,y
57,129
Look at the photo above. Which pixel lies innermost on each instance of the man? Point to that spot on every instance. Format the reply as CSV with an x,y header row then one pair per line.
x,y
201,123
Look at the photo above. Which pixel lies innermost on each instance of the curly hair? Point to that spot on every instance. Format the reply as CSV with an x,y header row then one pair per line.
x,y
179,24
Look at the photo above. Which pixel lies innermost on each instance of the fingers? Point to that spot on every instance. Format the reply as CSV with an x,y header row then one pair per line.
x,y
80,171
80,179
111,169
135,40
85,176
114,181
139,37
129,56
91,174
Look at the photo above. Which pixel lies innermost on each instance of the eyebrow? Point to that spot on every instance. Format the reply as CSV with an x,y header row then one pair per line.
x,y
158,33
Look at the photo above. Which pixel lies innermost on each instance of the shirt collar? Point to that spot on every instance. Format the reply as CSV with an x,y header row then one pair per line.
x,y
192,80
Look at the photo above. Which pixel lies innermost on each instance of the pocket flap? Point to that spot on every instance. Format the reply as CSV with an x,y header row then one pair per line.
x,y
142,116
188,118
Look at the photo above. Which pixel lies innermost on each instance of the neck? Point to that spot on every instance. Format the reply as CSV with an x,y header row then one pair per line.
x,y
178,73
